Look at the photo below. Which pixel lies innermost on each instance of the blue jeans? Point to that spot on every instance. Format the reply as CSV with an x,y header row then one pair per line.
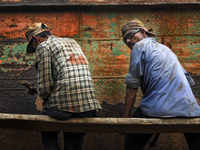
x,y
72,140
138,141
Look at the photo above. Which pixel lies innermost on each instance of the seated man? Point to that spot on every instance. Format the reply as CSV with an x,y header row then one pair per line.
x,y
64,83
163,81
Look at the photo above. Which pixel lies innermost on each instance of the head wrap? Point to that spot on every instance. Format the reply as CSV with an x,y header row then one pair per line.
x,y
135,24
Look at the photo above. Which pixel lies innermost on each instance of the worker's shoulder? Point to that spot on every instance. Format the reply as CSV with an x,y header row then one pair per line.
x,y
145,42
151,43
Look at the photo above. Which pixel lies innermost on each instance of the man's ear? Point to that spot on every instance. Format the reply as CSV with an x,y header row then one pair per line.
x,y
34,38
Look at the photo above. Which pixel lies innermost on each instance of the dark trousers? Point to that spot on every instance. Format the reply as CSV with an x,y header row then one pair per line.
x,y
138,141
72,140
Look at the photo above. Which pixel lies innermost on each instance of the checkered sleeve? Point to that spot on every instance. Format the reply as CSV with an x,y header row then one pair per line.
x,y
45,81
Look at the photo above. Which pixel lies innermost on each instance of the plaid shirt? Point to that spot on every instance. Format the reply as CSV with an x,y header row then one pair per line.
x,y
64,79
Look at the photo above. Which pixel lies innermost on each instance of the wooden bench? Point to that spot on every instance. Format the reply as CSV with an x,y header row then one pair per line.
x,y
100,125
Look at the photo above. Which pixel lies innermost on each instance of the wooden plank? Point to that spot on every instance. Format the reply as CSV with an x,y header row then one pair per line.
x,y
100,125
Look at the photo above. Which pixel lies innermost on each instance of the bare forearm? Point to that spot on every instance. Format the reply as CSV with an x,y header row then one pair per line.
x,y
129,101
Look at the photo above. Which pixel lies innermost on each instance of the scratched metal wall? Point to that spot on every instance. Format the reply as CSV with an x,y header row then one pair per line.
x,y
97,30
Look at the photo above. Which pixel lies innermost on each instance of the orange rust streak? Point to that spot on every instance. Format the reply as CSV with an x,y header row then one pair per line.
x,y
91,22
99,25
61,24
79,60
121,60
194,69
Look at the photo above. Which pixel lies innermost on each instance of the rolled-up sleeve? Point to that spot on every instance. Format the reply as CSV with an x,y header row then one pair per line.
x,y
132,81
136,67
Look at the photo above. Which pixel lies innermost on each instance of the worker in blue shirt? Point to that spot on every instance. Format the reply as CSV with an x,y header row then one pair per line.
x,y
164,82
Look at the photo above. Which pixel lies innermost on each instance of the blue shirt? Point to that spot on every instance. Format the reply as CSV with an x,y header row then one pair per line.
x,y
166,90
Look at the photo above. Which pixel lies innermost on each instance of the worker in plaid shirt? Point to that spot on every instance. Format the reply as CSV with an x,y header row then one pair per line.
x,y
64,83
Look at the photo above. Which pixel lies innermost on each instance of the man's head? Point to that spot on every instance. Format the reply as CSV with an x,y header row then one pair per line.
x,y
36,34
134,31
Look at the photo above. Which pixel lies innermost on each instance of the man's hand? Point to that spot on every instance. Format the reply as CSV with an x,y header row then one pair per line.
x,y
32,90
129,102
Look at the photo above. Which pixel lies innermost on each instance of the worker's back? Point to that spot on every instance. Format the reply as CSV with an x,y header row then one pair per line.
x,y
69,76
166,90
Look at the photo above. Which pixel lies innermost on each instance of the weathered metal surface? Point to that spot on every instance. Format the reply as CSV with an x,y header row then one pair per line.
x,y
98,33
63,23
97,30
94,2
100,125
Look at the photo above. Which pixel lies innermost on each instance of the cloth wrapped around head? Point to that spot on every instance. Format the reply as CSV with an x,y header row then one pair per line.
x,y
135,24
34,29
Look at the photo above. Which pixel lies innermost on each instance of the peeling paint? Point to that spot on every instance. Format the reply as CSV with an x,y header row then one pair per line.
x,y
15,54
101,25
99,35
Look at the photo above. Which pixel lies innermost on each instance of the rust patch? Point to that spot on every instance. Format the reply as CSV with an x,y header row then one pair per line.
x,y
13,28
79,60
193,68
